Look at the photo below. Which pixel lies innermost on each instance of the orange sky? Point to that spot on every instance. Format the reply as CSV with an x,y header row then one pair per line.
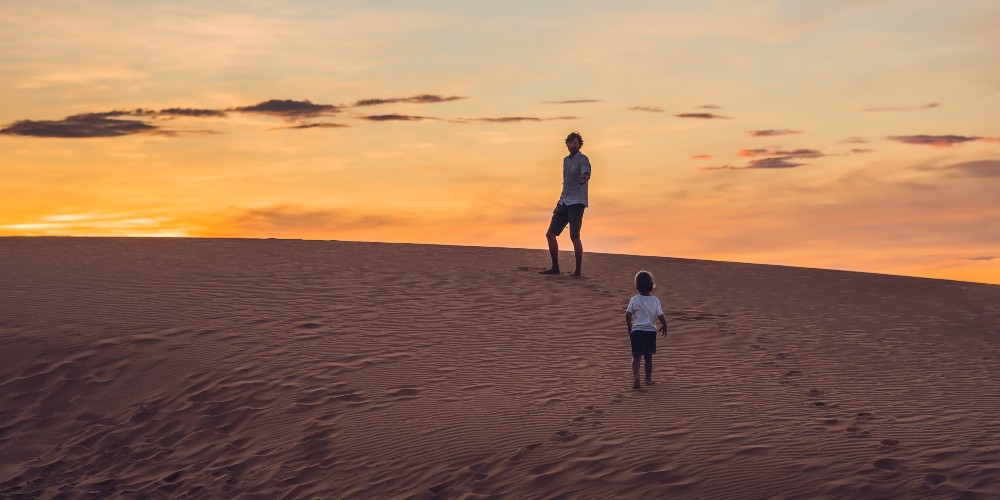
x,y
846,135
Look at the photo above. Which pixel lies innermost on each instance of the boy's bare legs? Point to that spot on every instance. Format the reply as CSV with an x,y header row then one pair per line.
x,y
649,369
635,371
578,250
553,253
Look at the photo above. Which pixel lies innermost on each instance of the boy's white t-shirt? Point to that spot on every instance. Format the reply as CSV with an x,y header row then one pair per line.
x,y
645,309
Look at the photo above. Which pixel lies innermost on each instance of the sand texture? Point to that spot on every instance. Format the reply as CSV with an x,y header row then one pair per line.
x,y
309,369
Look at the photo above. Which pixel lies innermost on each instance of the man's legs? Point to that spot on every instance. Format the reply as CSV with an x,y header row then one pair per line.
x,y
578,251
560,217
553,253
649,368
575,223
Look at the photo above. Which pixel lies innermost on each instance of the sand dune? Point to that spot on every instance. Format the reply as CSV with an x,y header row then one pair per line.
x,y
298,369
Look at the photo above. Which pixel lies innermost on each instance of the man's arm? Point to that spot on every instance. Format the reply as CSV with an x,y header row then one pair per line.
x,y
628,321
663,320
584,178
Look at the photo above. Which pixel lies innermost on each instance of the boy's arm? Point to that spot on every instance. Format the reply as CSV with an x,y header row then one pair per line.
x,y
663,319
628,321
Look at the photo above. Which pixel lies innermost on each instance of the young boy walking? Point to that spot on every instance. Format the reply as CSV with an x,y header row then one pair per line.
x,y
639,317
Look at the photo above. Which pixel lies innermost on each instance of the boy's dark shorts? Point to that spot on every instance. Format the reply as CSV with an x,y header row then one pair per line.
x,y
642,342
567,214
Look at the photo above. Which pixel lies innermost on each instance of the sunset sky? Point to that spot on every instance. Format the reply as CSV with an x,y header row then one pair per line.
x,y
857,135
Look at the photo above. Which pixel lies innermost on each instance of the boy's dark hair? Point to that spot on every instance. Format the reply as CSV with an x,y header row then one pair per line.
x,y
575,135
644,282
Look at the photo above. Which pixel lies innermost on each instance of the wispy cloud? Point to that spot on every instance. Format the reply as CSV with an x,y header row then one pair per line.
x,y
763,163
78,126
701,157
773,158
709,106
650,109
574,101
191,112
417,99
777,152
290,109
905,108
938,141
979,168
773,163
706,116
772,132
396,118
512,119
314,125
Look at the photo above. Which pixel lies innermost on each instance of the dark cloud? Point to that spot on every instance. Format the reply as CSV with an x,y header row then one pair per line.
x,y
772,132
168,112
109,123
651,109
856,140
574,101
709,106
763,163
417,99
199,113
79,126
777,152
773,163
861,150
395,118
179,133
315,125
905,108
701,157
511,119
979,168
290,109
706,116
940,141
983,259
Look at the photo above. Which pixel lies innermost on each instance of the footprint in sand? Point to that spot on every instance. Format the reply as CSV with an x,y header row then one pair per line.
x,y
564,436
856,431
789,378
889,443
935,479
890,464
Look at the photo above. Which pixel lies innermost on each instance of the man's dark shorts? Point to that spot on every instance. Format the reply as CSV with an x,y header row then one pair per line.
x,y
567,214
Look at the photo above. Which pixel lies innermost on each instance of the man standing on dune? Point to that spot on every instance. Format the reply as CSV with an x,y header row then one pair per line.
x,y
572,203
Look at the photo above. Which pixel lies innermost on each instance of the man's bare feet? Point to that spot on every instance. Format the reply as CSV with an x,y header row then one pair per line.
x,y
576,274
649,381
554,270
636,384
